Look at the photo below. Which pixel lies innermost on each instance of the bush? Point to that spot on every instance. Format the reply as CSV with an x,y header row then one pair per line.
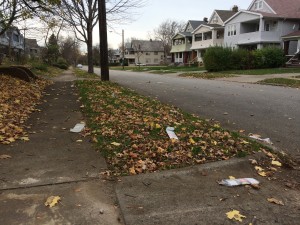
x,y
217,58
220,58
39,66
114,64
61,63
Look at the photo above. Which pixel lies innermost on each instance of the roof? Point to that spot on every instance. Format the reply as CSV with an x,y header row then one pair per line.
x,y
292,35
195,23
286,8
150,46
225,14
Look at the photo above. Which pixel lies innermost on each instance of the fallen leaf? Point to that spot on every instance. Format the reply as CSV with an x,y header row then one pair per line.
x,y
275,201
258,168
24,138
132,171
115,144
157,126
263,174
191,140
5,157
52,201
79,141
231,177
234,214
276,163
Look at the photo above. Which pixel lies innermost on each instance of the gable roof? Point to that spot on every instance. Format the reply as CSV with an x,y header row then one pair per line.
x,y
225,14
283,8
195,23
148,46
295,34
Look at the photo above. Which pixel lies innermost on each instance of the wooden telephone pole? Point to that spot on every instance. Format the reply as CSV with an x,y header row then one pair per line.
x,y
103,40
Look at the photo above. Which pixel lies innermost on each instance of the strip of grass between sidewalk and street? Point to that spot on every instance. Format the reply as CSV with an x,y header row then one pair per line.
x,y
130,132
206,75
84,74
262,71
282,82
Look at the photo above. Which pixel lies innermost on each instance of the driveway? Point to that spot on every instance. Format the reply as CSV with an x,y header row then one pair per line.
x,y
269,111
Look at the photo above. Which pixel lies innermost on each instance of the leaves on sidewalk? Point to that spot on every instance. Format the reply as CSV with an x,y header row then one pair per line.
x,y
235,215
275,201
17,100
5,157
52,201
131,132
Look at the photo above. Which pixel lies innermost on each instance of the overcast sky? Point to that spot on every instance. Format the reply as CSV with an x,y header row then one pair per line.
x,y
157,11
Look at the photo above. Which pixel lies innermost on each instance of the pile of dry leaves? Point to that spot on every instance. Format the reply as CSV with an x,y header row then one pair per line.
x,y
131,132
17,100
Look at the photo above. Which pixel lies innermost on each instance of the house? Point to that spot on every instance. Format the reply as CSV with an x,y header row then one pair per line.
x,y
12,42
144,52
114,55
32,49
264,23
182,42
211,33
294,59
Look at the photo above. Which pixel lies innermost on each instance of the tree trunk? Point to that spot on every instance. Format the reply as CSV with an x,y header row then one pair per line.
x,y
90,50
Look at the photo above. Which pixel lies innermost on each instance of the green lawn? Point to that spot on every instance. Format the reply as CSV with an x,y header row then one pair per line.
x,y
263,71
84,74
206,75
282,81
159,69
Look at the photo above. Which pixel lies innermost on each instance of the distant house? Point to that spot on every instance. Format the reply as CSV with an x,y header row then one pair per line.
x,y
32,49
145,52
264,24
114,56
211,33
182,42
12,42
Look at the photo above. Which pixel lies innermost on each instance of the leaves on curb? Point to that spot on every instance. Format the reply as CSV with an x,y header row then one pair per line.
x,y
5,157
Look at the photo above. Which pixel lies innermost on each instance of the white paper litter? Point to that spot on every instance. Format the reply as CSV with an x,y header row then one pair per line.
x,y
238,182
78,128
266,140
170,132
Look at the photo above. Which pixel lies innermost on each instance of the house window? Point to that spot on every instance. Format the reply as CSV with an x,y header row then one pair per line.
x,y
198,37
16,37
215,19
148,60
155,53
258,5
231,30
155,60
147,53
270,25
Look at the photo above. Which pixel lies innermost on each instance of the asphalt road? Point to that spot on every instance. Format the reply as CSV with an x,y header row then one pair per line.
x,y
269,111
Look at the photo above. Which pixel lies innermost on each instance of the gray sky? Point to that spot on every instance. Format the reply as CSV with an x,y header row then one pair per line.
x,y
157,11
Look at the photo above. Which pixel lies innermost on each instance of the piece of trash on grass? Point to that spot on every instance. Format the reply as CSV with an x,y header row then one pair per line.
x,y
115,144
257,137
79,141
78,128
170,132
52,201
275,201
5,157
238,182
234,214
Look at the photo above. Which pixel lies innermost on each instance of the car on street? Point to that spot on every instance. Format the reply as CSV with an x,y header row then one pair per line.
x,y
79,65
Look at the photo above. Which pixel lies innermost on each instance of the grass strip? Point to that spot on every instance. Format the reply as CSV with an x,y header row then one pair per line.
x,y
130,132
84,74
206,75
282,82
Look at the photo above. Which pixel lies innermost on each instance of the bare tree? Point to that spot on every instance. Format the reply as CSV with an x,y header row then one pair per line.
x,y
16,10
70,51
83,17
165,31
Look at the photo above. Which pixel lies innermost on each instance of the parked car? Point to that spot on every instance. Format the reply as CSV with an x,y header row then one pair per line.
x,y
79,65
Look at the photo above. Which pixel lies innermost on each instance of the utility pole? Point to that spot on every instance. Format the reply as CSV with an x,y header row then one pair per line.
x,y
123,49
103,40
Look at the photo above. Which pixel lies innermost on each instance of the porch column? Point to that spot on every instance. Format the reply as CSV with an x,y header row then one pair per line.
x,y
261,25
298,46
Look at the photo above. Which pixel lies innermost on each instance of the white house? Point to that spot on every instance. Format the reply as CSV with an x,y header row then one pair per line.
x,y
263,24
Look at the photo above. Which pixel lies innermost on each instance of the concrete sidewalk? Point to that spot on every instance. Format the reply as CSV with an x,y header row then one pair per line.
x,y
192,196
52,163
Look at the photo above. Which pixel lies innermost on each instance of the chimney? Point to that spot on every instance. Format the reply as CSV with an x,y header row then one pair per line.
x,y
235,8
205,19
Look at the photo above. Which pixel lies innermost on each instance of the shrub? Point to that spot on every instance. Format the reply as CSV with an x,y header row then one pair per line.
x,y
217,58
39,66
61,63
273,57
240,59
